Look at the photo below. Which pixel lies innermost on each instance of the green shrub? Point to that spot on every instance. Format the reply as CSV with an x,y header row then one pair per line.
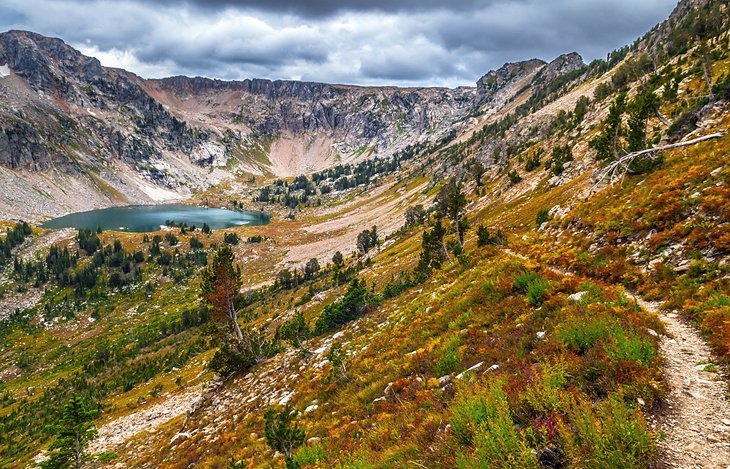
x,y
450,360
485,238
468,411
533,285
482,417
522,281
536,292
106,456
581,334
228,359
350,307
543,215
630,347
310,455
611,436
283,433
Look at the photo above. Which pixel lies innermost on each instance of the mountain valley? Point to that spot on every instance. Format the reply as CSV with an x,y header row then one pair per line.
x,y
529,272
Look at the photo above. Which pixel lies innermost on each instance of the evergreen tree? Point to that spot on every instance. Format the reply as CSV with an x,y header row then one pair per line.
x,y
282,432
348,308
415,215
221,285
295,330
608,143
455,209
311,268
73,430
640,109
477,170
483,236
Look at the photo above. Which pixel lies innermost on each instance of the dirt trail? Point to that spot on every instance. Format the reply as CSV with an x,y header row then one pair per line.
x,y
696,421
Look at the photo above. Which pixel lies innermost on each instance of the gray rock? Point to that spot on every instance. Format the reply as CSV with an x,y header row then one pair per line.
x,y
472,368
577,296
683,266
498,79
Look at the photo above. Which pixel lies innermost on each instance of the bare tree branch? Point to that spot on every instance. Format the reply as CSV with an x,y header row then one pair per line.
x,y
619,167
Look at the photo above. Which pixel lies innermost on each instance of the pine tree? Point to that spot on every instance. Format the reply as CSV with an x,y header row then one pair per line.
x,y
455,209
608,143
282,432
295,330
73,430
221,285
477,170
640,108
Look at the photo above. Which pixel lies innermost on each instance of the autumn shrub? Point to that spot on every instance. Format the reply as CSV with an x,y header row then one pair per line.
x,y
711,312
469,410
608,435
543,394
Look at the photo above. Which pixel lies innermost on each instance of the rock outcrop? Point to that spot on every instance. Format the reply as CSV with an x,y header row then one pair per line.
x,y
562,65
496,80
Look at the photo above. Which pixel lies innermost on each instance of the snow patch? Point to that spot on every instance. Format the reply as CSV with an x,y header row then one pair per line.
x,y
158,194
4,71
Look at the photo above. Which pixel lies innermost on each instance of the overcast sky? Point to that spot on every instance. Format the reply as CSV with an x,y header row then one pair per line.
x,y
399,42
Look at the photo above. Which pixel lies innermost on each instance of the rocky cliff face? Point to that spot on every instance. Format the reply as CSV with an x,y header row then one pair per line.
x,y
382,119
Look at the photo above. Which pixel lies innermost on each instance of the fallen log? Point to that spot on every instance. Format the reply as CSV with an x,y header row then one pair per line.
x,y
621,166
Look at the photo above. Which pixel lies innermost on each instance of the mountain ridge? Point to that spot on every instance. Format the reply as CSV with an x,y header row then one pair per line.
x,y
216,127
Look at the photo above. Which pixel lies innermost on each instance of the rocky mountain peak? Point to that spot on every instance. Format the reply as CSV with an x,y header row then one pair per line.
x,y
565,63
495,80
44,62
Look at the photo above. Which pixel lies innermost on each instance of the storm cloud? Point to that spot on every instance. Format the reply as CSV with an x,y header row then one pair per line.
x,y
398,42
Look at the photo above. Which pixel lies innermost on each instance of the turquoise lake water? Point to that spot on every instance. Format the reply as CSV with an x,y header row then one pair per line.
x,y
145,218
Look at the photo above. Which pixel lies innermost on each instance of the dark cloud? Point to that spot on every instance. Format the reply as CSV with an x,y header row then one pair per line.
x,y
402,42
330,7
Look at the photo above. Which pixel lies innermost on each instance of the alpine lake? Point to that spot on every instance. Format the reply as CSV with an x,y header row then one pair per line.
x,y
148,218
